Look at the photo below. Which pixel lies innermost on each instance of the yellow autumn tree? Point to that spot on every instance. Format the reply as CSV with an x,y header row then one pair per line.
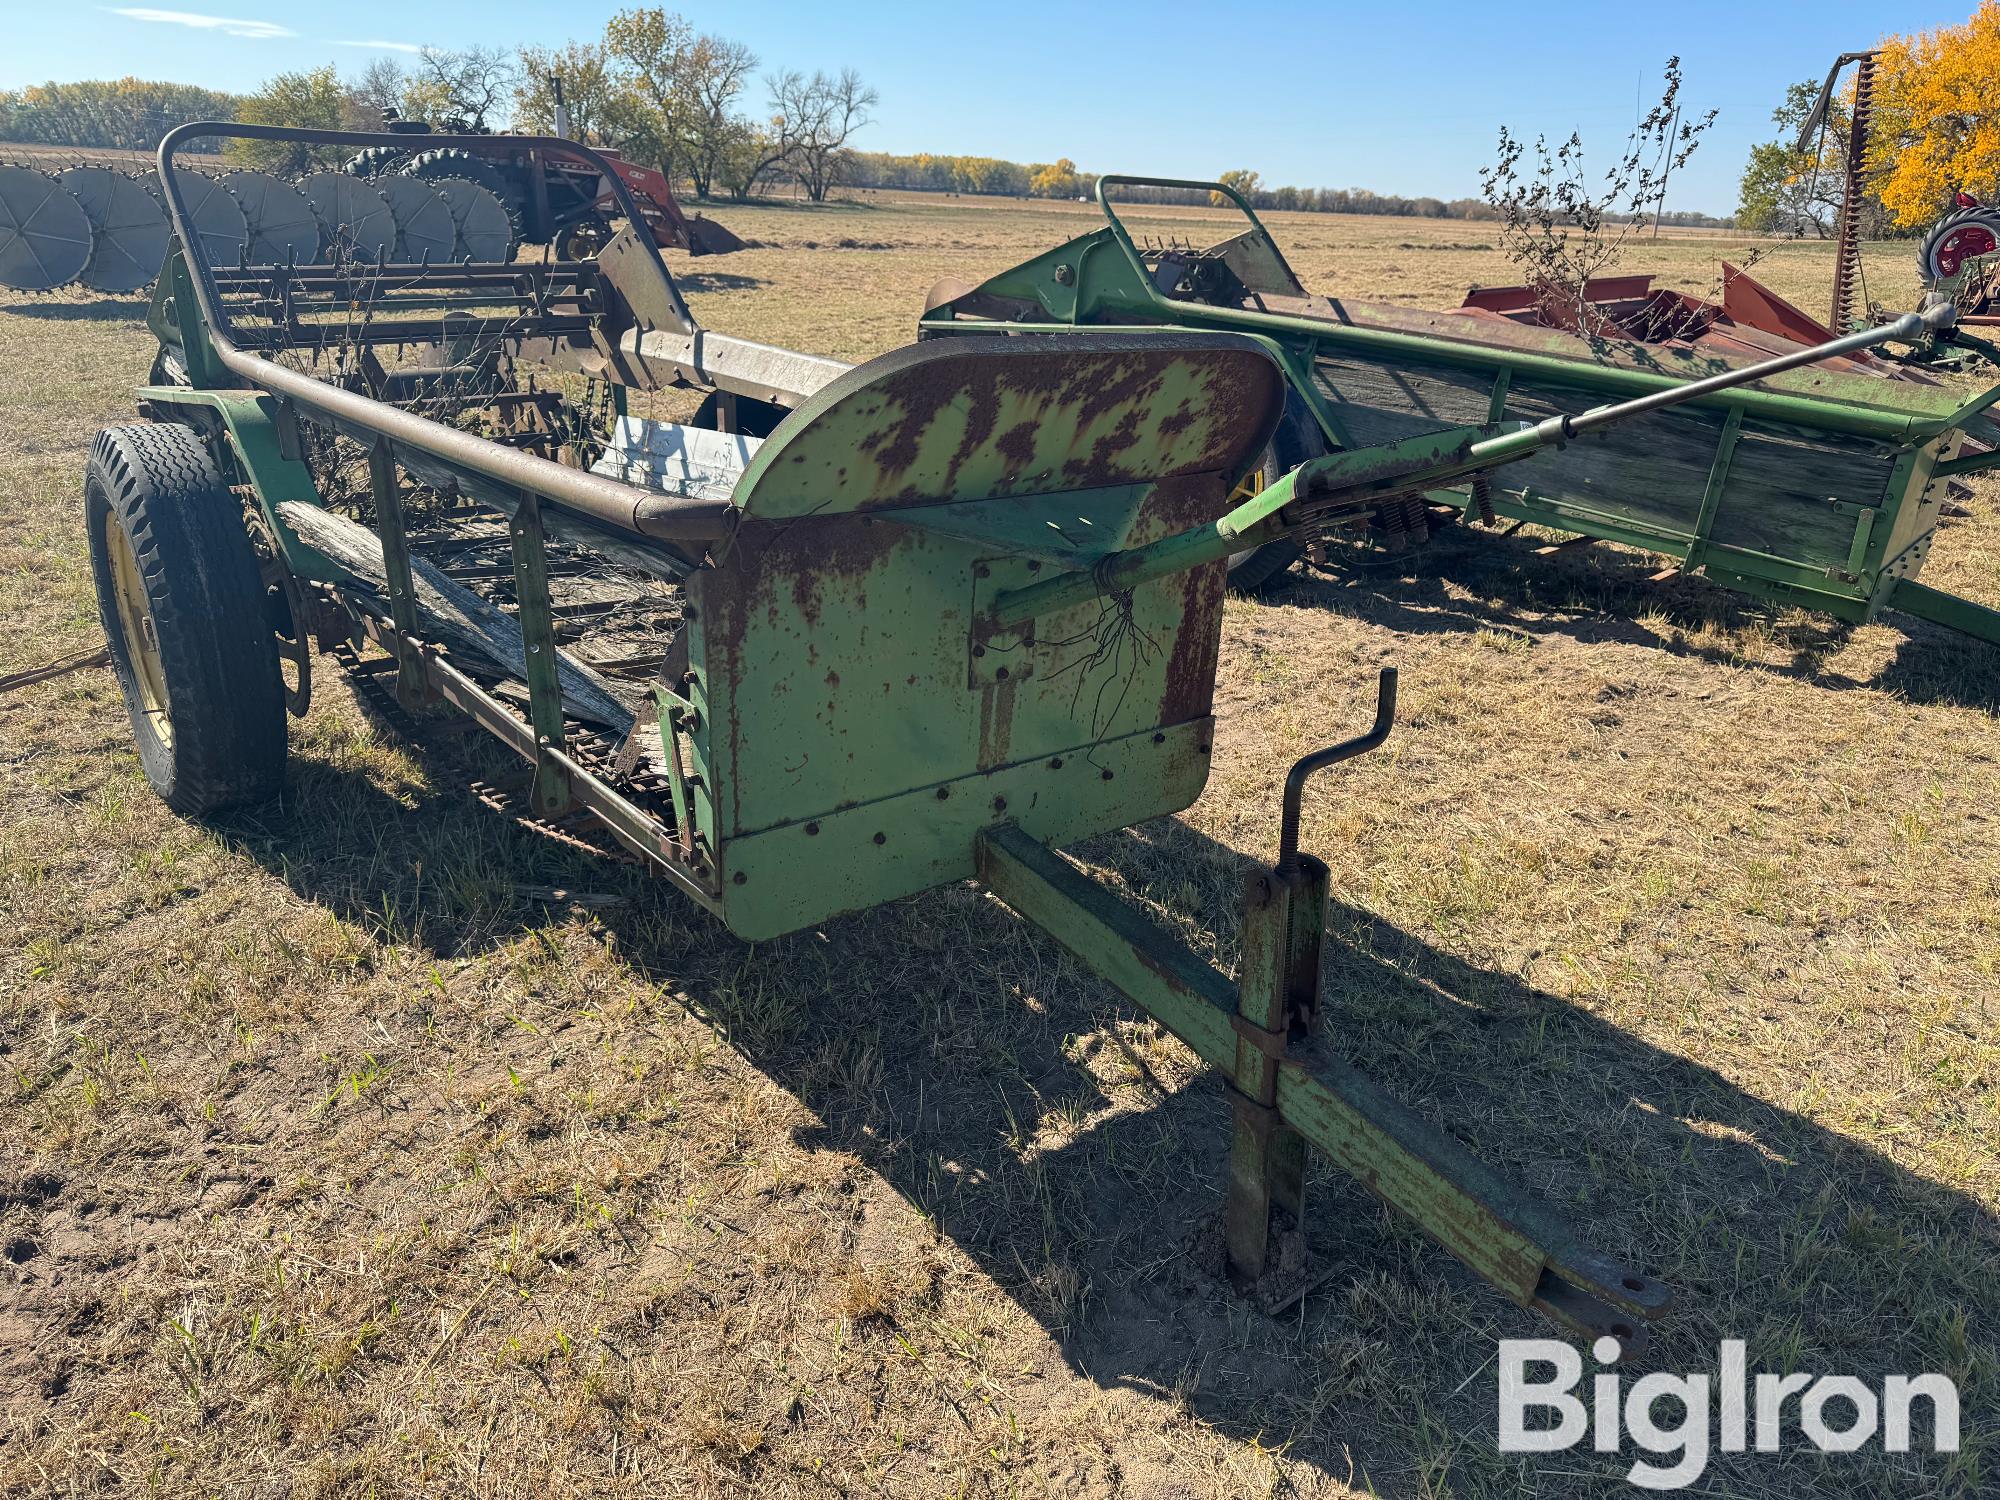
x,y
1937,117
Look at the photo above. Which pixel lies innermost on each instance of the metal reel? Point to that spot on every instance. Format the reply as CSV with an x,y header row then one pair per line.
x,y
214,217
283,230
45,237
484,232
425,228
352,215
129,228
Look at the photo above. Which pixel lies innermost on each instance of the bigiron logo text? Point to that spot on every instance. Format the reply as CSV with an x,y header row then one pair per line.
x,y
1729,1411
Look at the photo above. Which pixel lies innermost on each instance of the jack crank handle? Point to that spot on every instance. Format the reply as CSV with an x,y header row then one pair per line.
x,y
1319,760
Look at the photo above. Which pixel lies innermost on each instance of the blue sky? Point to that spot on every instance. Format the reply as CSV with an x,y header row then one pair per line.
x,y
1400,98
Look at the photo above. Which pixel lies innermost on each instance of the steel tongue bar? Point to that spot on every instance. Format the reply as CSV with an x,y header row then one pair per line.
x,y
1503,1232
1500,1231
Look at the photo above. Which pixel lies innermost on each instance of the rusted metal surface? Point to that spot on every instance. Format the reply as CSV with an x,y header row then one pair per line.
x,y
1849,299
1750,319
1033,418
839,657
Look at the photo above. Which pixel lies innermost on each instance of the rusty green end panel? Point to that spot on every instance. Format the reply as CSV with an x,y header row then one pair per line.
x,y
251,423
859,723
931,424
1046,289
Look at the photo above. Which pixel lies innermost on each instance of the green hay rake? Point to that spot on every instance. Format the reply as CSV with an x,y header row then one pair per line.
x,y
957,607
1819,487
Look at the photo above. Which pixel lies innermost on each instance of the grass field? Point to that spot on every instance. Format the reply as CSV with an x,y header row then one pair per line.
x,y
337,1159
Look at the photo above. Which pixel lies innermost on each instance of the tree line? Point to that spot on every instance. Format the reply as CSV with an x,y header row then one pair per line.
x,y
129,114
694,104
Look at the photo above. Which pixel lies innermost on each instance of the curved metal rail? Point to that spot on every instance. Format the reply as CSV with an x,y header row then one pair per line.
x,y
621,506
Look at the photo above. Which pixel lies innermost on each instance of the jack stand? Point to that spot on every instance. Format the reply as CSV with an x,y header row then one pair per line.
x,y
1284,939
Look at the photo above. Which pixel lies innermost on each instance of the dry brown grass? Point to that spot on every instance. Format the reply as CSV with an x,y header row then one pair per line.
x,y
334,1167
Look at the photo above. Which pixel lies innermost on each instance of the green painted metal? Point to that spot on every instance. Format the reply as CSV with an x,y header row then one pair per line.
x,y
1711,495
1736,485
1926,603
1267,1157
863,711
1506,1235
174,319
674,712
1359,478
386,490
249,421
551,793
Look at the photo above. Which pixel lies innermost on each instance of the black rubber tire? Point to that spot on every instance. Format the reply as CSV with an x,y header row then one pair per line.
x,y
1986,214
218,659
1297,439
452,161
374,161
585,235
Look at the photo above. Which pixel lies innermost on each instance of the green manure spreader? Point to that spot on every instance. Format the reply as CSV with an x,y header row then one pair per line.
x,y
857,633
1817,485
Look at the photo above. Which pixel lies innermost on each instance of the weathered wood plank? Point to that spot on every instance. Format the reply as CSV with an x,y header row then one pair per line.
x,y
1650,473
454,611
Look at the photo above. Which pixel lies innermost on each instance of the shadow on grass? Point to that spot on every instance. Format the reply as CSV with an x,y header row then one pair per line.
x,y
1598,595
716,281
108,310
964,1059
1821,1253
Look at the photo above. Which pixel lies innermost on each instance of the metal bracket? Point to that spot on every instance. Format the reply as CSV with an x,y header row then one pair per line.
x,y
552,794
1271,1043
413,687
291,444
1711,495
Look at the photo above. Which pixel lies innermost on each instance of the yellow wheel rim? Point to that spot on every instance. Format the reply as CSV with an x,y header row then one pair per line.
x,y
1247,488
135,620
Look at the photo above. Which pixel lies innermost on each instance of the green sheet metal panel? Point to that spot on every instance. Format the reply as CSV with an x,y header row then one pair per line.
x,y
859,724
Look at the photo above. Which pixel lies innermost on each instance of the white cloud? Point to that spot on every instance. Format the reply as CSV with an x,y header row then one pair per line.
x,y
384,46
262,31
